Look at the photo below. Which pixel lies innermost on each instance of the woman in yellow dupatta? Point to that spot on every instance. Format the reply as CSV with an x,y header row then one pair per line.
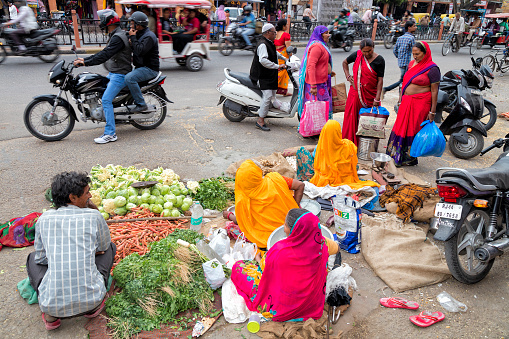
x,y
261,203
336,160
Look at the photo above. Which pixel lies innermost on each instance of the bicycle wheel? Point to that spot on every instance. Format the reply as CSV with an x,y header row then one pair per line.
x,y
504,64
474,45
446,47
489,60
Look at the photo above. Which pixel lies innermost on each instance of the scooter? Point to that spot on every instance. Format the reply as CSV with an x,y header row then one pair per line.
x,y
472,216
341,37
234,40
241,98
394,33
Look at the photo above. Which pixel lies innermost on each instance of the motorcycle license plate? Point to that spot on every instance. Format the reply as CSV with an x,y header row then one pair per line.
x,y
449,211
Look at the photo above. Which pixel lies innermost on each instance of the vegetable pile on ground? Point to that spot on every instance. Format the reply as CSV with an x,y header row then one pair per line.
x,y
157,286
215,193
112,192
135,236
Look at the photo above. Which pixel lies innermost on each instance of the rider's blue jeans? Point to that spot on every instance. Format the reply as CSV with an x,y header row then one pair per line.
x,y
138,75
246,32
115,85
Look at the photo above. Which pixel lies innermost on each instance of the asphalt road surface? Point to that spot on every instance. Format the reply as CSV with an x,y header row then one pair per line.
x,y
197,141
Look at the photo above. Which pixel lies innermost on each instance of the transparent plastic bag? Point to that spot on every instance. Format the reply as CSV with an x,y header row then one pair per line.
x,y
214,274
243,250
451,304
220,242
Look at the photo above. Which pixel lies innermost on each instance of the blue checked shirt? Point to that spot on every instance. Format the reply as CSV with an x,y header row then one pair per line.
x,y
403,49
66,240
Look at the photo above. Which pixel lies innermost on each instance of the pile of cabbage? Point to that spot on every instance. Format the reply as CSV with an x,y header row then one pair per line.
x,y
112,192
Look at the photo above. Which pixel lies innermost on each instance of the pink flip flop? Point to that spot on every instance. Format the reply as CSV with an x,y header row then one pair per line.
x,y
425,319
97,312
51,325
399,303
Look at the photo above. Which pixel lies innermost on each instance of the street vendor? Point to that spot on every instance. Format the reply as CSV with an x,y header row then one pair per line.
x,y
262,202
73,253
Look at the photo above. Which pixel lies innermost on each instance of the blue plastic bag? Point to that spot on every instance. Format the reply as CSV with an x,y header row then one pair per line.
x,y
429,141
374,109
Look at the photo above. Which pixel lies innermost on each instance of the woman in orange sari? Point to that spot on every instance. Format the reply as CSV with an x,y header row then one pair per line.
x,y
282,41
366,85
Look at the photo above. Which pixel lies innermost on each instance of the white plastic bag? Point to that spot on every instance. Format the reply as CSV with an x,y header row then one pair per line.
x,y
242,250
214,273
220,242
234,306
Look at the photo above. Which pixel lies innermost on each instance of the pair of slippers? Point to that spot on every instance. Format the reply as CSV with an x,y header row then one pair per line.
x,y
504,115
56,324
423,319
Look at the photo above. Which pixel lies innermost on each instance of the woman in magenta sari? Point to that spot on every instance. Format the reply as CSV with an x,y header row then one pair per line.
x,y
417,102
366,85
293,282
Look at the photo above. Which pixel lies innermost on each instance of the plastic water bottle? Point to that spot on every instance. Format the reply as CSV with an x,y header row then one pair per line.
x,y
451,304
196,216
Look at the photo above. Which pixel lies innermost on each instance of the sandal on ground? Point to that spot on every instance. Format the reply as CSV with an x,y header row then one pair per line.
x,y
399,303
98,311
51,325
425,320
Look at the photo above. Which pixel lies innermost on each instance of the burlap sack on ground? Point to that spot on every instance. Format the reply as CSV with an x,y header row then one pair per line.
x,y
272,163
401,254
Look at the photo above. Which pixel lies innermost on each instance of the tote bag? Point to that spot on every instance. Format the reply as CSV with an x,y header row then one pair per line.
x,y
314,116
338,97
372,122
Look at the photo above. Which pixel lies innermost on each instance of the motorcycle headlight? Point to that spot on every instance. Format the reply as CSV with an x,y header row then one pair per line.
x,y
489,82
465,105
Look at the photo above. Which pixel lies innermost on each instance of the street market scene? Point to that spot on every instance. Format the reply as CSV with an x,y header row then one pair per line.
x,y
276,169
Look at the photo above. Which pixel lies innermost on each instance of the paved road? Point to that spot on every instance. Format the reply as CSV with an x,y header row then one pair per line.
x,y
197,141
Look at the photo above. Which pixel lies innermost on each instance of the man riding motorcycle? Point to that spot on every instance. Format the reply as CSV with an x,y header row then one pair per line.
x,y
26,22
341,24
249,23
117,60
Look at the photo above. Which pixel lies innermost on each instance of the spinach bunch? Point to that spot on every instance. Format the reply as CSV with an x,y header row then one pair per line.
x,y
214,193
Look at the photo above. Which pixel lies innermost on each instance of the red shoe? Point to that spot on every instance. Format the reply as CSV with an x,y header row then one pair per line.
x,y
51,325
425,319
98,311
399,303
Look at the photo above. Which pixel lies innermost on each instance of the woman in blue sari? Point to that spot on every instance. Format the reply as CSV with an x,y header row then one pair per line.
x,y
316,70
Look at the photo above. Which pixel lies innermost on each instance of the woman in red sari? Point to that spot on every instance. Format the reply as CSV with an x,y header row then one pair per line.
x,y
417,102
366,85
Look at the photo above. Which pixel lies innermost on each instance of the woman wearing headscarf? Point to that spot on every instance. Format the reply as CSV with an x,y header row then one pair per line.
x,y
282,41
261,203
335,160
316,70
220,14
290,282
417,102
366,85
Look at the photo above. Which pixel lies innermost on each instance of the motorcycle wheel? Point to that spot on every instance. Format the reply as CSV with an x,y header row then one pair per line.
x,y
3,53
231,115
225,47
348,45
389,41
446,47
490,116
50,57
459,250
159,115
469,150
57,129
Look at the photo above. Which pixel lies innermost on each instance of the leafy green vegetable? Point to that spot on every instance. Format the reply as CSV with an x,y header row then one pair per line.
x,y
214,193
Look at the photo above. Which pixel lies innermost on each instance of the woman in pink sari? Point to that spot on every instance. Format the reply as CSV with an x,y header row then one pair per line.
x,y
290,284
366,85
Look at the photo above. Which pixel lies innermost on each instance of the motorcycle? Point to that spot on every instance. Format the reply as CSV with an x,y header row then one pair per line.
x,y
394,33
473,215
50,117
40,43
341,37
241,98
234,40
481,78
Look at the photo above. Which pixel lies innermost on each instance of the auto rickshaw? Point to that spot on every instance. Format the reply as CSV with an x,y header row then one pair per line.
x,y
499,38
195,51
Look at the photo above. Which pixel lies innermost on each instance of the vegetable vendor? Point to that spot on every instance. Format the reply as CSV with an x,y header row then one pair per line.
x,y
262,203
289,283
73,253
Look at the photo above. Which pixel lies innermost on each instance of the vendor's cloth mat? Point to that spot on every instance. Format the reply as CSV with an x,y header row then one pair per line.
x,y
275,162
401,254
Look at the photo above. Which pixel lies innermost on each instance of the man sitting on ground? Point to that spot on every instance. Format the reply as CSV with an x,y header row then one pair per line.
x,y
73,253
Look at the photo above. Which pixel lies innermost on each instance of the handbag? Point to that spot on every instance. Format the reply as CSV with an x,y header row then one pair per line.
x,y
372,122
338,97
314,116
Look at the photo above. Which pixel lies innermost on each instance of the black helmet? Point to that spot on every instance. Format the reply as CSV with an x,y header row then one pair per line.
x,y
139,18
248,8
355,9
344,11
107,17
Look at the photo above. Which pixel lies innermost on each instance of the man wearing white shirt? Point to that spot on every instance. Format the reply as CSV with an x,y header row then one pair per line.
x,y
26,20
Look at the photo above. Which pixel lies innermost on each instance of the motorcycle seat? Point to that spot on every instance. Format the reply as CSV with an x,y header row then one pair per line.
x,y
125,90
40,32
497,174
244,79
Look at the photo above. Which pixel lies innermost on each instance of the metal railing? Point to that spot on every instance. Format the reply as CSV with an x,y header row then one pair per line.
x,y
66,34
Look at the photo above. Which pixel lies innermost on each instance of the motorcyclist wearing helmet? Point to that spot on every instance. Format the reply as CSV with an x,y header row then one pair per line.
x,y
354,17
249,23
116,57
27,22
145,58
341,25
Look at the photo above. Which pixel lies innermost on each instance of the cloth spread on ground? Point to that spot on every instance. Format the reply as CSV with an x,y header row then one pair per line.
x,y
409,197
365,194
275,162
400,253
336,160
19,232
261,203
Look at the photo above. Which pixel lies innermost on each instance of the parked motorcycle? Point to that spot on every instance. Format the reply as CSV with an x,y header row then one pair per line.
x,y
234,40
51,117
481,78
341,37
473,215
394,33
241,98
41,43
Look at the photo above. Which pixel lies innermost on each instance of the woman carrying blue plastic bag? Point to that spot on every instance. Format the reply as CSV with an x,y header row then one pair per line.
x,y
418,101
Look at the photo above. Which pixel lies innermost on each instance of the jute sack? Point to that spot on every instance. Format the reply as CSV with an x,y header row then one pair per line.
x,y
272,163
338,97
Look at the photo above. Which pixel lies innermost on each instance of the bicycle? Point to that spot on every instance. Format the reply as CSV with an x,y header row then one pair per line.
x,y
450,44
501,65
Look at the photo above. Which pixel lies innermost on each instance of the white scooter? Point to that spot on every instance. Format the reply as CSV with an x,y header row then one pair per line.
x,y
241,98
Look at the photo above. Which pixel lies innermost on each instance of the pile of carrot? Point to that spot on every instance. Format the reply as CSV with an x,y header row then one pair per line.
x,y
134,237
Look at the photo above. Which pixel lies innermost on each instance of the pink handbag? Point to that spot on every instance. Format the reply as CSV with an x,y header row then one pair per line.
x,y
314,116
